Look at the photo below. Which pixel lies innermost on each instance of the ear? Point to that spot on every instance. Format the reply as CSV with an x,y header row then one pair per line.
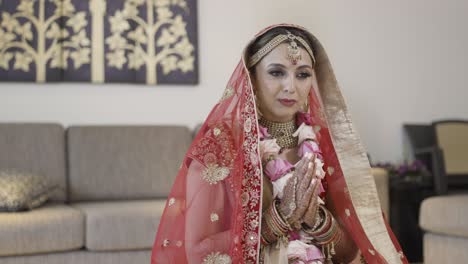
x,y
253,74
253,79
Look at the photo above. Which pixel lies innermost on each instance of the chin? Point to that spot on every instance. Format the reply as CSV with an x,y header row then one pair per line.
x,y
285,115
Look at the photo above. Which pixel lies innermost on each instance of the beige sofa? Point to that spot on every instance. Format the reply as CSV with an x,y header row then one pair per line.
x,y
445,222
115,181
444,218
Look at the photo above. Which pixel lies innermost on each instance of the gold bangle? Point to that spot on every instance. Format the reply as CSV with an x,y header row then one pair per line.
x,y
320,229
275,227
267,232
318,222
281,219
329,235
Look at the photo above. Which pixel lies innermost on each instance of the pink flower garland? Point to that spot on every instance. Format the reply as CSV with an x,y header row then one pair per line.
x,y
277,168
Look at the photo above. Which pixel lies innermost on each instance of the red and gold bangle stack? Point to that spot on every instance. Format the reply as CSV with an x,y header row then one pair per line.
x,y
327,231
274,226
267,236
327,234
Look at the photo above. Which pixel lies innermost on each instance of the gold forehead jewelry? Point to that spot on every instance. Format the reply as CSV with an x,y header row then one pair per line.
x,y
293,49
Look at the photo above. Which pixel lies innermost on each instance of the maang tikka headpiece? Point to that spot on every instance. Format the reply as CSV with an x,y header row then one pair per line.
x,y
294,54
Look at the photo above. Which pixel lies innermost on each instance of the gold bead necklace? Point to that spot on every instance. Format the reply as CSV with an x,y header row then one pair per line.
x,y
282,132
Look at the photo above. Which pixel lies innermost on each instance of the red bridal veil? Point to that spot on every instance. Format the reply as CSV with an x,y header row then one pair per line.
x,y
213,212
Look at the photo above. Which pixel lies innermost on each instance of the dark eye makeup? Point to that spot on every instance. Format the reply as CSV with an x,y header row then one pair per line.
x,y
279,71
304,75
276,72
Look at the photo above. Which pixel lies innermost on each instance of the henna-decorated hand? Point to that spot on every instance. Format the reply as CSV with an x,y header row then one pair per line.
x,y
298,192
310,216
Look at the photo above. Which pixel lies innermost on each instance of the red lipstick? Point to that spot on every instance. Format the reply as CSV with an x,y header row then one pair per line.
x,y
287,102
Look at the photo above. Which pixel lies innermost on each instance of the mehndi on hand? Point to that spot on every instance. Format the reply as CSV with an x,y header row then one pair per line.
x,y
298,192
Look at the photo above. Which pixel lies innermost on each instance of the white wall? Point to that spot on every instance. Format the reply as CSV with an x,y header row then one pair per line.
x,y
397,61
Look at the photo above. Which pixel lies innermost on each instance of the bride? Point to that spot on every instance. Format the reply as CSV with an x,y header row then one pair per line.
x,y
276,173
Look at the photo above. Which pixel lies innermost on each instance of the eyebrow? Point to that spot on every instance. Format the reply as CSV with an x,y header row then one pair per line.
x,y
282,66
276,65
305,66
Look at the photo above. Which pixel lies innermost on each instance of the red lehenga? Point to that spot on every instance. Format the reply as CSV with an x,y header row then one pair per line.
x,y
213,212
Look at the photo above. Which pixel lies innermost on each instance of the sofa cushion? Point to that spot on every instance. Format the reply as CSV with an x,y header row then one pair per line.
x,y
121,225
445,215
23,191
131,162
83,257
35,148
51,228
445,249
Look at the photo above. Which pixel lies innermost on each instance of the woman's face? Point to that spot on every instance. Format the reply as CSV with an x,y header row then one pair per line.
x,y
282,87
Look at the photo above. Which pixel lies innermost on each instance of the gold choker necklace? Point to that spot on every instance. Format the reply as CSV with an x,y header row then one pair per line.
x,y
282,132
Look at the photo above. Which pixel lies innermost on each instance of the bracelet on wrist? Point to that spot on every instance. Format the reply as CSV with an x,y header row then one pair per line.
x,y
319,219
323,225
274,225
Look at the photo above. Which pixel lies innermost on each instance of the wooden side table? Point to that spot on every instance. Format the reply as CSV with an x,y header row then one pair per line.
x,y
405,199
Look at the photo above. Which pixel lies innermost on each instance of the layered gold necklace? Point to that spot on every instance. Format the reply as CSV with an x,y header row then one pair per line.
x,y
282,132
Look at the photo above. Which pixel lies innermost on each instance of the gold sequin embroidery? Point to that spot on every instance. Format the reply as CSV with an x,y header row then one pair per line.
x,y
248,125
348,212
228,92
245,198
214,217
251,184
213,173
166,242
217,258
171,201
251,238
215,152
210,158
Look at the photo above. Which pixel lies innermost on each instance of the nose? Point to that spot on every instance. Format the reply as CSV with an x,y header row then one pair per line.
x,y
289,85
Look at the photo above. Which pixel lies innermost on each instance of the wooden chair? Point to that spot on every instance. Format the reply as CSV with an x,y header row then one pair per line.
x,y
452,155
443,147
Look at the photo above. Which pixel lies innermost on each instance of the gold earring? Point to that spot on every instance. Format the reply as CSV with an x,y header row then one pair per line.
x,y
306,106
257,103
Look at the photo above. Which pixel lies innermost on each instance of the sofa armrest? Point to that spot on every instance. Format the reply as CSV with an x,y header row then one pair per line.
x,y
381,179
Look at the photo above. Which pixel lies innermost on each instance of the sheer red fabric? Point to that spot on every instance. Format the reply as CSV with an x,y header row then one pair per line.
x,y
213,212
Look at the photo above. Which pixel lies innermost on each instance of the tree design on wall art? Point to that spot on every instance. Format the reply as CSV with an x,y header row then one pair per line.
x,y
172,50
28,36
139,41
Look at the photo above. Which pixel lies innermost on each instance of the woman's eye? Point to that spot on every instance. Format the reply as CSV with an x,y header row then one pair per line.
x,y
276,73
304,75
